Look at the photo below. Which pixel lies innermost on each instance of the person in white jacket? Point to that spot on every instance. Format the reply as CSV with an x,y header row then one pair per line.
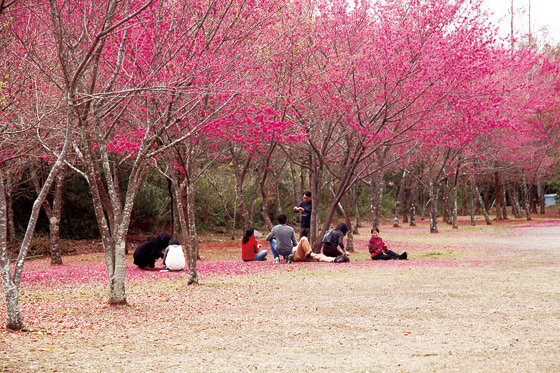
x,y
174,257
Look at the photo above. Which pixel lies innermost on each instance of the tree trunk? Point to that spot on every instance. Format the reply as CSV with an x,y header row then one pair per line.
x,y
174,212
498,192
464,203
399,200
10,208
454,206
504,201
541,197
446,202
350,235
264,194
526,198
54,219
376,194
240,173
404,209
315,179
193,236
294,184
413,198
472,201
433,190
355,196
482,207
253,197
512,193
14,320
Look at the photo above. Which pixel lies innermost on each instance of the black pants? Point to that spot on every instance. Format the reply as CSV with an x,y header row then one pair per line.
x,y
387,255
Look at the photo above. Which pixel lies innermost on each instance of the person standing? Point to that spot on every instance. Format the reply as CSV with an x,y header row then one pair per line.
x,y
305,209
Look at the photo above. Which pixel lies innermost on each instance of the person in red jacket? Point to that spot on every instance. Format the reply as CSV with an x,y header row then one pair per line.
x,y
378,250
250,247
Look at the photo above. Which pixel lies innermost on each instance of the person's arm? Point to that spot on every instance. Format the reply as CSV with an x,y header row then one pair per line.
x,y
341,244
294,239
270,235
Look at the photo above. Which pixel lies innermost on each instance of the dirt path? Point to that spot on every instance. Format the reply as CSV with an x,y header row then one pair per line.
x,y
496,312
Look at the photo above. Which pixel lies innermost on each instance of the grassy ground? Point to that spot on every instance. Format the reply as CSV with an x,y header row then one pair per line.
x,y
481,298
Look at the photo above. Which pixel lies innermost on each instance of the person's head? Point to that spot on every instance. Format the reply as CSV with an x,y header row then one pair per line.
x,y
375,232
174,241
307,196
282,219
343,228
164,237
248,233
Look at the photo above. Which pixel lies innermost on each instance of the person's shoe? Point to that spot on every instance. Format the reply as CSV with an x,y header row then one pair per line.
x,y
290,259
403,256
341,259
276,261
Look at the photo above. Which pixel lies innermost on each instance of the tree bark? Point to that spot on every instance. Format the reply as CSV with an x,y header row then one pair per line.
x,y
399,200
433,190
355,197
413,198
472,201
350,235
446,202
10,208
498,193
526,198
482,207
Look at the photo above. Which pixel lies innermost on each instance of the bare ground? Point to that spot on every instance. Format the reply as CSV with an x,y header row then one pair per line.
x,y
484,299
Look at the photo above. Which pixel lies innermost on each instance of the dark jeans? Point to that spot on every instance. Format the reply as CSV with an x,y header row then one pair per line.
x,y
387,255
304,232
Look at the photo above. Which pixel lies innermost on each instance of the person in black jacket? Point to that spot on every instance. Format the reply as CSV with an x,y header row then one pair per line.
x,y
149,251
335,247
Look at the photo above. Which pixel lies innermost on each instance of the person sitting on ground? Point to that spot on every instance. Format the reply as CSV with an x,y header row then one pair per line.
x,y
335,246
250,247
282,238
149,251
303,253
174,257
378,250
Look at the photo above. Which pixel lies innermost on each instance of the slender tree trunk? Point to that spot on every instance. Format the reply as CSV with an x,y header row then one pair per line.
x,y
472,201
10,208
376,194
446,202
294,184
498,191
541,197
504,202
454,206
464,203
350,235
14,320
482,207
413,198
253,198
193,235
315,179
526,198
264,195
433,190
54,219
404,209
174,213
399,200
355,197
240,173
512,192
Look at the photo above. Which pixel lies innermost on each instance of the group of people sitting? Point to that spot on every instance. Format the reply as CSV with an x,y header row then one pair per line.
x,y
162,246
283,243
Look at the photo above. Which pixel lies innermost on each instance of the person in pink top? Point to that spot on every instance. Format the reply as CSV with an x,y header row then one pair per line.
x,y
379,251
